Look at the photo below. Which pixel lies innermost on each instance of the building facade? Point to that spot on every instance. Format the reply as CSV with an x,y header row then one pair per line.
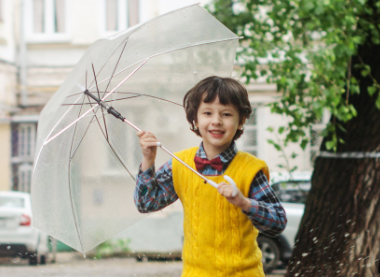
x,y
40,43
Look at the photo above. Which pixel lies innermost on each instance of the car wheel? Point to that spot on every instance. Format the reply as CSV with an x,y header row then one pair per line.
x,y
33,259
270,253
42,259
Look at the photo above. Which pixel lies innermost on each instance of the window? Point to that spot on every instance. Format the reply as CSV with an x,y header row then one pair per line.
x,y
24,177
23,143
120,14
248,141
1,11
49,16
23,139
46,19
116,15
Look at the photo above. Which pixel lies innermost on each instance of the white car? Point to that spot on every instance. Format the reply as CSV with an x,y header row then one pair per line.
x,y
292,190
17,236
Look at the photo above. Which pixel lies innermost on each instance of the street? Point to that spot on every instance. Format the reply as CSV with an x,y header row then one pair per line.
x,y
73,264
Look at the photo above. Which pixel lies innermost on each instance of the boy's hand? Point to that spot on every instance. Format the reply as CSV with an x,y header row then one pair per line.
x,y
239,200
148,143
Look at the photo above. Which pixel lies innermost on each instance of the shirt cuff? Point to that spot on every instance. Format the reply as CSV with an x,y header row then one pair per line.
x,y
253,209
147,174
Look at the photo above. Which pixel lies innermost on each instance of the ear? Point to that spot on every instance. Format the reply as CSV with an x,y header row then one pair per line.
x,y
242,124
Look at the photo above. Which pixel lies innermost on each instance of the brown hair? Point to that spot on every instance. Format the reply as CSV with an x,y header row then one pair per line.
x,y
228,90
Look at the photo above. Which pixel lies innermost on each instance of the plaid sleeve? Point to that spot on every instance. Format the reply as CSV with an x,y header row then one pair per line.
x,y
154,190
266,212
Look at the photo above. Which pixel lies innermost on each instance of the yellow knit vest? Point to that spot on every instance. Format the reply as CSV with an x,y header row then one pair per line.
x,y
219,240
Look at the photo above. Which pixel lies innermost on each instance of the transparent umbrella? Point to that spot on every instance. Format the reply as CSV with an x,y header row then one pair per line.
x,y
86,159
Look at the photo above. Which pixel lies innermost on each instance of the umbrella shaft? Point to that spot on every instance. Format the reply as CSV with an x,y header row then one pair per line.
x,y
109,109
185,164
175,157
131,124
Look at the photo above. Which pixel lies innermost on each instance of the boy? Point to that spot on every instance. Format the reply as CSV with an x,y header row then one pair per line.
x,y
220,230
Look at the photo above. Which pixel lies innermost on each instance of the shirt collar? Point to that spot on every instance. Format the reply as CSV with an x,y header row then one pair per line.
x,y
226,156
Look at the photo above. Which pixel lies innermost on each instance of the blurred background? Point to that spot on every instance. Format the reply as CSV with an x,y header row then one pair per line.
x,y
40,43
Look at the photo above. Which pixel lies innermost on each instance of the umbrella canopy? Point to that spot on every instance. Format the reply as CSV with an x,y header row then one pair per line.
x,y
87,160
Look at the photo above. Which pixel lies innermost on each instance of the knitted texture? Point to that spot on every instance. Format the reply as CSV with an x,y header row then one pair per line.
x,y
219,240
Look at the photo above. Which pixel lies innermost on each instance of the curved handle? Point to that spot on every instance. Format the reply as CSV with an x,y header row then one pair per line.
x,y
233,184
230,181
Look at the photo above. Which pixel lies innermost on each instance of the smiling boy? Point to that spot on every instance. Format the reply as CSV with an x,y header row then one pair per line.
x,y
220,230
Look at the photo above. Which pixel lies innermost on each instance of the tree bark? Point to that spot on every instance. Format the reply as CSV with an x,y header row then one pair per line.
x,y
339,234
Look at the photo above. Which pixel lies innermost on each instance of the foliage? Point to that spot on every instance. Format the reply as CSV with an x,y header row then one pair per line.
x,y
112,247
305,47
279,146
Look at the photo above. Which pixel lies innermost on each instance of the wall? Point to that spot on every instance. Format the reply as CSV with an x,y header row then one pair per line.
x,y
5,149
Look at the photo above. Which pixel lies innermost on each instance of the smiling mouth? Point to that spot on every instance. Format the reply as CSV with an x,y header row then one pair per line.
x,y
216,133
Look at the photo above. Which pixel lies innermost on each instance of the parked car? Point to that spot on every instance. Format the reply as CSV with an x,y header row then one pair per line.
x,y
292,190
17,236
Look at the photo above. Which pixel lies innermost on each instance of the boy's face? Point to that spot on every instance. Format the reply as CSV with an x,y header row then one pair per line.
x,y
217,124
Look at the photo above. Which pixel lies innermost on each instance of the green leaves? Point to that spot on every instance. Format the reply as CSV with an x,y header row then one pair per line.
x,y
372,90
305,47
378,102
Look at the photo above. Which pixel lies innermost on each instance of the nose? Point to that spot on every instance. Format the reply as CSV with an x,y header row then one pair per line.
x,y
216,119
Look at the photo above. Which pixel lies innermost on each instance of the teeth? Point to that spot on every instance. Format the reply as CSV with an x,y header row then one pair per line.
x,y
216,132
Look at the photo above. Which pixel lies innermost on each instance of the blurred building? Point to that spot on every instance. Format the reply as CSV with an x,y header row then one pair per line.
x,y
42,40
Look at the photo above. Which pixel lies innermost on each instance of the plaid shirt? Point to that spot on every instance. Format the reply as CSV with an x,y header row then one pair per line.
x,y
155,191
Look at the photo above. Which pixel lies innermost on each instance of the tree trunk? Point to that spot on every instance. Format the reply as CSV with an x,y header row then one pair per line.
x,y
340,231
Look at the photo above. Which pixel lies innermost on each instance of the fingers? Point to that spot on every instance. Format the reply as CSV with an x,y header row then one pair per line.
x,y
238,200
148,144
140,133
147,139
225,190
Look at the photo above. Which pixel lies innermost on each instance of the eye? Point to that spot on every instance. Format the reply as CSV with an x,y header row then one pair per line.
x,y
226,114
207,113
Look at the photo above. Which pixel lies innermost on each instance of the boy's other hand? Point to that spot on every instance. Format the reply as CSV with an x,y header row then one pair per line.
x,y
148,144
239,200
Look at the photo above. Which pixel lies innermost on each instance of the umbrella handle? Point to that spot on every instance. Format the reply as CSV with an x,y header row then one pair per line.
x,y
229,180
233,184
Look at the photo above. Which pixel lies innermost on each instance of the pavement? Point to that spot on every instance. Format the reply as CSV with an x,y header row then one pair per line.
x,y
73,264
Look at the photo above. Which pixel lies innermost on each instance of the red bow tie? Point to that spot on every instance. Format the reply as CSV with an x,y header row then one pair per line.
x,y
214,163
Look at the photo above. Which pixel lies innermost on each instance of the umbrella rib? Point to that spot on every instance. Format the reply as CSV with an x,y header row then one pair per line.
x,y
113,72
68,126
104,121
124,98
80,142
97,88
46,141
124,80
118,60
129,75
194,45
109,59
121,160
96,82
108,142
69,179
88,111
